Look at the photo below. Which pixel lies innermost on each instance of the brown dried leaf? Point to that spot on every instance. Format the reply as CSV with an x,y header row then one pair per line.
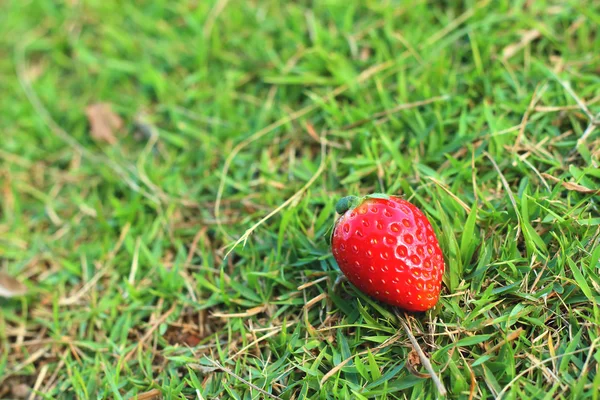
x,y
413,362
572,186
365,54
579,188
103,122
413,358
20,391
177,335
10,287
190,339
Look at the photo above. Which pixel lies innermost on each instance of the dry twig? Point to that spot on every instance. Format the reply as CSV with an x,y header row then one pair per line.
x,y
424,360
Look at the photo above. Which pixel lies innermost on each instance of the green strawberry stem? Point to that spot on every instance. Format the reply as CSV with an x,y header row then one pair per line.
x,y
346,203
350,202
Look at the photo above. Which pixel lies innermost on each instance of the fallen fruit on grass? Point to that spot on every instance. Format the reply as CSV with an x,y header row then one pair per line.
x,y
387,248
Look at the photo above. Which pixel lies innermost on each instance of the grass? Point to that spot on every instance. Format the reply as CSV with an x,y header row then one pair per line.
x,y
239,110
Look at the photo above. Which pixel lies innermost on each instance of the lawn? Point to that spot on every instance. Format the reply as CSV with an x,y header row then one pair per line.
x,y
185,253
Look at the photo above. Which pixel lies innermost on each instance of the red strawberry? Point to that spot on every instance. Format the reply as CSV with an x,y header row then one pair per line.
x,y
387,248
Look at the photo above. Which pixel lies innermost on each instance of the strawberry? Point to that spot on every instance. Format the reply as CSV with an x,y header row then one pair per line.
x,y
387,248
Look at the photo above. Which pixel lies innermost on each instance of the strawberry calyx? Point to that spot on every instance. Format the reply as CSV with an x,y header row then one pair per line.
x,y
347,203
351,202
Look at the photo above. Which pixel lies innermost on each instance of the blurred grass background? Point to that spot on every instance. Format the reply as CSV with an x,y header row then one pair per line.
x,y
482,113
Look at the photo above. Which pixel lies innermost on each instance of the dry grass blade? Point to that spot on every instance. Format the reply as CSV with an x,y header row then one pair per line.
x,y
424,360
84,289
274,332
366,74
589,130
546,109
309,304
547,360
580,103
239,378
245,143
150,395
579,188
523,158
248,313
550,376
455,23
212,17
387,113
455,197
572,186
511,196
509,338
534,99
335,369
38,381
30,360
10,287
309,284
147,335
527,38
296,195
473,386
593,120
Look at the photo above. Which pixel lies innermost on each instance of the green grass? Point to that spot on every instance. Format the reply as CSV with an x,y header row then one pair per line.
x,y
233,109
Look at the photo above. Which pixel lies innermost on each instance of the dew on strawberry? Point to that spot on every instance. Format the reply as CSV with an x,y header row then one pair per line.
x,y
387,248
